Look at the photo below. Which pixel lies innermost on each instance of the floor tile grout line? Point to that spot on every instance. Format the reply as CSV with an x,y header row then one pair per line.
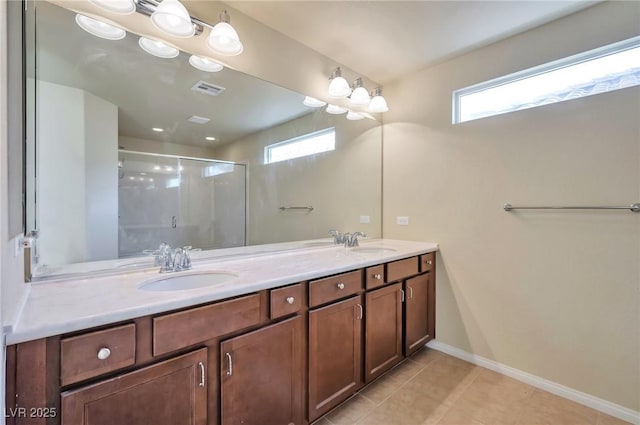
x,y
453,402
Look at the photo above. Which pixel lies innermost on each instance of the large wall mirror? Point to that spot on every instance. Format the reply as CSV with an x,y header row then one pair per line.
x,y
132,150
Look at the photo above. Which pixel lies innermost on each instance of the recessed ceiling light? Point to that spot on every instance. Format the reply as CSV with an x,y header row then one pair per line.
x,y
156,167
143,174
158,129
211,139
158,48
99,28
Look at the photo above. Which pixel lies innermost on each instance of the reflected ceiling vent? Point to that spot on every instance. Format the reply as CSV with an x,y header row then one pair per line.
x,y
199,120
207,88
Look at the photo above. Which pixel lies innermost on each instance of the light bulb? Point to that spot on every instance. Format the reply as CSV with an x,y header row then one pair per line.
x,y
313,102
158,48
378,103
205,64
99,28
354,116
172,17
338,87
359,96
224,39
335,109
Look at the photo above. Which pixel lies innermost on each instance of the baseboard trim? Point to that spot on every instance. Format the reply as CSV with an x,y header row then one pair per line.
x,y
588,400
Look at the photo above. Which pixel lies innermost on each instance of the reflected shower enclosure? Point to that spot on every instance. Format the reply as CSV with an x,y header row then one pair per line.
x,y
181,201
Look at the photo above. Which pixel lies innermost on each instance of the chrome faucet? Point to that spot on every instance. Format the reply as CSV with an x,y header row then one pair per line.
x,y
351,239
175,261
338,238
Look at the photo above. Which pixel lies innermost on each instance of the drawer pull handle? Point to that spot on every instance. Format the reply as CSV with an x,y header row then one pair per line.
x,y
377,276
290,300
410,293
361,311
401,296
202,378
229,364
340,285
104,353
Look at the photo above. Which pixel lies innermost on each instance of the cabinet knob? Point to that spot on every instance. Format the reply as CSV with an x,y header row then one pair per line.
x,y
340,285
429,262
377,276
104,353
290,300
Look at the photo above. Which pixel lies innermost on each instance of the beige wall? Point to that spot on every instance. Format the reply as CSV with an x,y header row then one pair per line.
x,y
341,185
555,294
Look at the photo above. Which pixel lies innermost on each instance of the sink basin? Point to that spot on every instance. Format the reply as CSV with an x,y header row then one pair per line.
x,y
183,282
373,250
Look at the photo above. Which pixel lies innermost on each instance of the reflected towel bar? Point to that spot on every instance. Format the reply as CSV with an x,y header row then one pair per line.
x,y
633,207
297,208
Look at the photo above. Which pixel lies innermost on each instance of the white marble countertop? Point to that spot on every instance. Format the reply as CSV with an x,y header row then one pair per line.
x,y
67,305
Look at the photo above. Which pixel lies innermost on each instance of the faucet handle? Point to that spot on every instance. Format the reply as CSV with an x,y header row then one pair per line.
x,y
185,264
338,237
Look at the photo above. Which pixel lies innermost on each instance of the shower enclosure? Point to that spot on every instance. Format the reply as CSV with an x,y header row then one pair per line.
x,y
178,200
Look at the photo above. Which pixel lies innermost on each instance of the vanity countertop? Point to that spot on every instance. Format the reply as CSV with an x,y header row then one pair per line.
x,y
67,305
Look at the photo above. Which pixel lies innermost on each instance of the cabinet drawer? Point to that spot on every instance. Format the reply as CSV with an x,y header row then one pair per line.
x,y
403,268
427,261
335,287
175,331
287,300
374,276
92,354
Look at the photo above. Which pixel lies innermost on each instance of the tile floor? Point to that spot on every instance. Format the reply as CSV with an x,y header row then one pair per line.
x,y
432,388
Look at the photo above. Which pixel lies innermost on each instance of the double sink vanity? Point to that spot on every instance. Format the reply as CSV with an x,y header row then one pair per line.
x,y
267,339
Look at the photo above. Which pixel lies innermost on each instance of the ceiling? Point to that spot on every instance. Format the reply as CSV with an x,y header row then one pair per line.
x,y
385,40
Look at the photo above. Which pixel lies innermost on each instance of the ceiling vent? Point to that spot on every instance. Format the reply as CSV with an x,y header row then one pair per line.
x,y
207,88
198,120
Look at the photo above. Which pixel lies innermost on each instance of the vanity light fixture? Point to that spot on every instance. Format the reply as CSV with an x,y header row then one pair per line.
x,y
354,116
378,102
205,64
338,87
335,109
223,38
360,95
121,7
158,48
158,129
172,17
99,28
312,102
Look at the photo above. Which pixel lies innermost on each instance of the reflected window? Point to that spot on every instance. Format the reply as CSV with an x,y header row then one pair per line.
x,y
605,69
308,144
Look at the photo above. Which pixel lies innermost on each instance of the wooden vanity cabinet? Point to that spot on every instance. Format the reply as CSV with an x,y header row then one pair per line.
x,y
168,393
416,313
335,354
383,330
262,375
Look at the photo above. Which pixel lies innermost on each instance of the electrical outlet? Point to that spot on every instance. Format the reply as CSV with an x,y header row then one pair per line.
x,y
365,219
402,220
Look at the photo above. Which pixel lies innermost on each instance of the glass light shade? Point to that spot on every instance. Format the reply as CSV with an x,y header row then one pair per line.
x,y
360,96
205,64
313,102
378,104
99,28
339,87
172,17
354,116
158,48
224,40
335,109
122,7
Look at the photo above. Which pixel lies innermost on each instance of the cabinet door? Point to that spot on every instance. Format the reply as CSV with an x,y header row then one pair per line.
x,y
383,330
416,313
335,354
262,376
168,393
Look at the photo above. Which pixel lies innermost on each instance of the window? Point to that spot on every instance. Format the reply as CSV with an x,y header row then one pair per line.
x,y
605,69
308,144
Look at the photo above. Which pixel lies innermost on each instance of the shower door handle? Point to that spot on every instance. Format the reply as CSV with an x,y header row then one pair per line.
x,y
174,222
